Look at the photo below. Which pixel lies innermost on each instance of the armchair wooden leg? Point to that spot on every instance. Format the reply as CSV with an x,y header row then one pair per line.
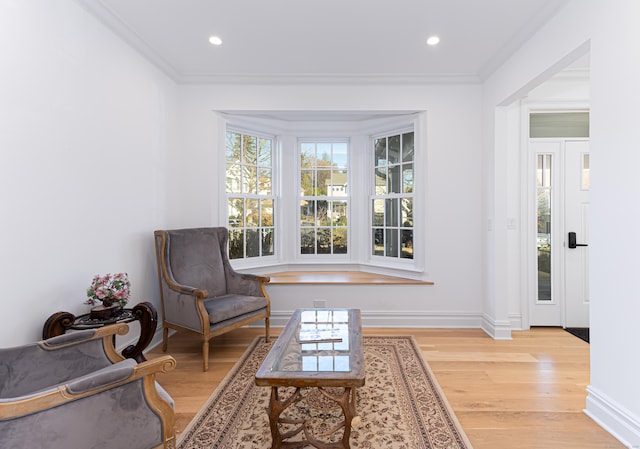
x,y
267,329
165,338
205,355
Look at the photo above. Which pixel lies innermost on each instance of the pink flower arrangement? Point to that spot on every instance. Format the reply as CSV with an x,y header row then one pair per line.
x,y
109,289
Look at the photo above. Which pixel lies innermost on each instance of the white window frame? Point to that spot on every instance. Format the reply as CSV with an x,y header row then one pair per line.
x,y
258,260
299,198
286,220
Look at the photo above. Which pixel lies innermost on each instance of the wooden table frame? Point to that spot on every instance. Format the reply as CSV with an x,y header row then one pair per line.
x,y
269,374
144,312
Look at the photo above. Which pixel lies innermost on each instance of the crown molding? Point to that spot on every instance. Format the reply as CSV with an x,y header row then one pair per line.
x,y
329,79
114,23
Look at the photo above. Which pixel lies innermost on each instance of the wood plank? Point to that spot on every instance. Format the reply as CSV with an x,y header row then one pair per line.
x,y
526,393
340,277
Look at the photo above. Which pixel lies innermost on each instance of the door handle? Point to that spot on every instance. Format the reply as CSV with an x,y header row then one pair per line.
x,y
572,241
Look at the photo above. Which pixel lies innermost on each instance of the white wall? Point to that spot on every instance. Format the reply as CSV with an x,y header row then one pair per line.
x,y
609,30
454,237
85,129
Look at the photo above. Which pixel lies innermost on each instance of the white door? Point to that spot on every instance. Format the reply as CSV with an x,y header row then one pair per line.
x,y
576,222
562,206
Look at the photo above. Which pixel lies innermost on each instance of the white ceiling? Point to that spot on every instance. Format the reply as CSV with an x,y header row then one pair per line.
x,y
325,40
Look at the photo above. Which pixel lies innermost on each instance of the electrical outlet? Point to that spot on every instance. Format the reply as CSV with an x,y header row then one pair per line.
x,y
319,303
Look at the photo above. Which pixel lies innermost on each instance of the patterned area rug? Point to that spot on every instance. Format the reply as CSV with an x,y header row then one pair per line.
x,y
401,405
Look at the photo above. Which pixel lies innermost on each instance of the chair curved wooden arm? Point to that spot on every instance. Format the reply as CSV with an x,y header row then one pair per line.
x,y
201,293
67,392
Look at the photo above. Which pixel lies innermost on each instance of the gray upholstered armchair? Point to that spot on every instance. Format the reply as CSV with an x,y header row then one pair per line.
x,y
75,391
201,293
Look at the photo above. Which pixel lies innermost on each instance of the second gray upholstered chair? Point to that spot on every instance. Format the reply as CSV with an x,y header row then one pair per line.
x,y
201,293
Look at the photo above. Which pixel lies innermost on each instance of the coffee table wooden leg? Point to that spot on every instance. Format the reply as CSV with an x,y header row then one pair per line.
x,y
276,407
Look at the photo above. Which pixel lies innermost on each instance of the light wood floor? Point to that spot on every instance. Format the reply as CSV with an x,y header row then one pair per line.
x,y
527,393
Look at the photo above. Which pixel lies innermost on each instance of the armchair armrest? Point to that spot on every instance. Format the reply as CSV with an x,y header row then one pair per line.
x,y
106,378
38,366
140,413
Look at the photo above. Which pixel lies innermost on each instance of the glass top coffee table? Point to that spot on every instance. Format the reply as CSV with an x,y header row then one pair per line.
x,y
318,348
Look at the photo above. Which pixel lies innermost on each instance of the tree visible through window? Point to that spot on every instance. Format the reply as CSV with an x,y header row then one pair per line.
x,y
393,194
250,196
324,197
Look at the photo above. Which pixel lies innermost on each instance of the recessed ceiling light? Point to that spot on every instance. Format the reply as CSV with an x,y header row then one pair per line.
x,y
215,40
433,40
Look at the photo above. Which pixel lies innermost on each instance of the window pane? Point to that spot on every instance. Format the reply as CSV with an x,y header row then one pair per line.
x,y
394,179
307,241
394,149
264,181
236,244
340,241
324,241
249,149
407,244
381,181
323,213
306,182
380,146
307,155
378,242
234,147
391,212
233,178
252,213
236,212
264,152
253,243
407,212
266,215
407,147
324,154
267,242
324,180
338,185
307,212
340,155
378,213
249,179
339,213
391,244
407,178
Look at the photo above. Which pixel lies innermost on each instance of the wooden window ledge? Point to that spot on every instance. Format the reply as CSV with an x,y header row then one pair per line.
x,y
340,277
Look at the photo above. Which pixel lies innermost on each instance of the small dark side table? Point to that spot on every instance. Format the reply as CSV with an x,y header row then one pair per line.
x,y
144,312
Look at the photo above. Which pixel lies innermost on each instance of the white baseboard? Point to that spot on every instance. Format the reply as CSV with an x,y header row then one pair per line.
x,y
498,330
612,417
408,319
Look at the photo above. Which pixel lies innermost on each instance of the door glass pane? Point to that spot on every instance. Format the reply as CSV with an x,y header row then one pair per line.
x,y
543,241
559,124
586,174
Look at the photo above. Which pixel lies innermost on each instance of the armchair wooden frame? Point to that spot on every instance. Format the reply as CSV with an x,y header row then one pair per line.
x,y
60,395
198,295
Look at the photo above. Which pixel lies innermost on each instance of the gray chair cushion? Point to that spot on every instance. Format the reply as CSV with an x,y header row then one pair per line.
x,y
226,307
